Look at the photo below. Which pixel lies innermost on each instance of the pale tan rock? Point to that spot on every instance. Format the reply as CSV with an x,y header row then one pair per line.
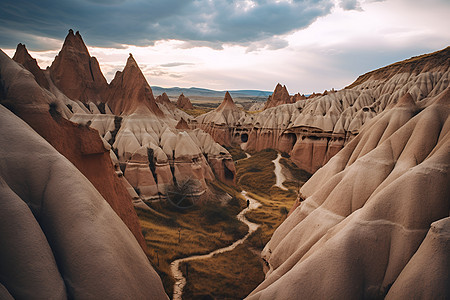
x,y
49,209
363,218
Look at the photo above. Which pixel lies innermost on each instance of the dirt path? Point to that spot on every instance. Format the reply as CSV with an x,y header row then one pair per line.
x,y
180,281
278,174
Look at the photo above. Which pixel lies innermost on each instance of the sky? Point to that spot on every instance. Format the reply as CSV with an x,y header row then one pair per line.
x,y
307,45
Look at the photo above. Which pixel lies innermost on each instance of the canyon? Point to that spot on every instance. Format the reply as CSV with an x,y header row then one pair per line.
x,y
80,156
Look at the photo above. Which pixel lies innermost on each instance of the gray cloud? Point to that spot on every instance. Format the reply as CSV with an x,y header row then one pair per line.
x,y
350,5
140,22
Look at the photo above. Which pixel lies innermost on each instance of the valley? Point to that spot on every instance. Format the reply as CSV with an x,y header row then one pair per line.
x,y
113,192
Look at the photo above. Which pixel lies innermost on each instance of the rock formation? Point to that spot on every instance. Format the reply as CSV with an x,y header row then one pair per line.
x,y
24,58
79,144
60,238
362,230
223,122
129,92
76,73
314,130
184,102
280,96
164,99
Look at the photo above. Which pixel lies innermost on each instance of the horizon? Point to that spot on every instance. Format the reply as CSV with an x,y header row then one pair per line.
x,y
308,46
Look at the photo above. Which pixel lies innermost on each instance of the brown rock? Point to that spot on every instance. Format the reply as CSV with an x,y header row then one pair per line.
x,y
24,58
182,124
164,99
280,96
184,102
129,92
79,144
76,73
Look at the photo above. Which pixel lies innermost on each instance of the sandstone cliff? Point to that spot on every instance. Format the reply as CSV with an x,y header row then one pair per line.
x,y
76,73
373,216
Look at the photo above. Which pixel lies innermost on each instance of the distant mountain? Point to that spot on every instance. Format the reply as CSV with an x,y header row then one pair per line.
x,y
193,91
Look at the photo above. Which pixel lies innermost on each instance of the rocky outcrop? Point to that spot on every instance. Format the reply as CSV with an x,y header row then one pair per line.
x,y
129,92
182,125
223,122
314,130
76,73
164,99
81,145
24,58
184,102
280,96
60,238
362,230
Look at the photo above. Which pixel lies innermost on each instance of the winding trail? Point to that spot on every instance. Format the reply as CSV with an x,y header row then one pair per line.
x,y
280,177
180,280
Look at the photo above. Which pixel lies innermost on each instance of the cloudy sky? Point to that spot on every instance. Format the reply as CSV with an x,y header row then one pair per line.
x,y
308,45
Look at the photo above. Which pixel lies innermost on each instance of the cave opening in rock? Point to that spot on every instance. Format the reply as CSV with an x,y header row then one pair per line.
x,y
244,137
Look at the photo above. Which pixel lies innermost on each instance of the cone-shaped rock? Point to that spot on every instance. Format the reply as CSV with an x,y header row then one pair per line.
x,y
184,102
129,92
227,103
280,96
24,58
164,99
182,124
76,73
79,144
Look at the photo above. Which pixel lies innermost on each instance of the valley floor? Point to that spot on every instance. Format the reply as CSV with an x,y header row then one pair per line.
x,y
172,234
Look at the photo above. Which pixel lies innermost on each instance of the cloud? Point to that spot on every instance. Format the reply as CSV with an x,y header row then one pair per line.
x,y
176,64
140,22
351,5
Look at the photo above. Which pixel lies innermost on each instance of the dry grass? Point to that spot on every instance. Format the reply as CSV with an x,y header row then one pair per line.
x,y
175,234
231,275
197,111
256,173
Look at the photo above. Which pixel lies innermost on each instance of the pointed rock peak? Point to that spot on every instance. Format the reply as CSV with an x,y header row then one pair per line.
x,y
406,101
21,54
131,61
74,41
182,124
280,96
24,58
227,103
184,102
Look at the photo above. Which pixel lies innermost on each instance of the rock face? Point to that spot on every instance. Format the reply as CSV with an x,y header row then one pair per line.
x,y
79,144
184,102
280,96
362,230
223,122
24,58
76,73
314,129
130,93
60,238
